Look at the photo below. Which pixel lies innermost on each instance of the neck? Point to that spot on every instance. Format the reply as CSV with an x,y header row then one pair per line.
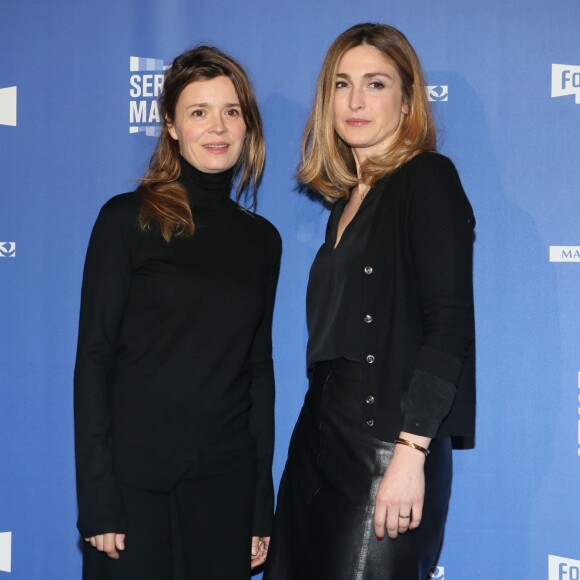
x,y
209,190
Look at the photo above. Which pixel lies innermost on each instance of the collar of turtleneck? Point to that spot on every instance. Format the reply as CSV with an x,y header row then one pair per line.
x,y
208,190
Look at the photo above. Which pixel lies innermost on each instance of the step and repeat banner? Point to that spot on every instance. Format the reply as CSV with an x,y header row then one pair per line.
x,y
79,82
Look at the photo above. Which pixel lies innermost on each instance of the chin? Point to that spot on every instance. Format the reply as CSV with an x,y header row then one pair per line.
x,y
355,140
216,167
357,143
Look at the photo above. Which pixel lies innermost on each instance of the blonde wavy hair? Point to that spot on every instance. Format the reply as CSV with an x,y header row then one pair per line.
x,y
328,164
164,201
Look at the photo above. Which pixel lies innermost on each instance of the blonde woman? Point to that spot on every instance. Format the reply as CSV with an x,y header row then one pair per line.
x,y
365,490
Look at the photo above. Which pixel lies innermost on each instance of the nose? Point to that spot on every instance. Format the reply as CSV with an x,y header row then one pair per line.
x,y
218,126
356,99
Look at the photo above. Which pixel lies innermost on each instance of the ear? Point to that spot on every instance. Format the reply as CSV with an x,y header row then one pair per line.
x,y
171,129
405,108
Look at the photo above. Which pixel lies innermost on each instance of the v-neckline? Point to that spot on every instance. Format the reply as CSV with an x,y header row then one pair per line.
x,y
337,242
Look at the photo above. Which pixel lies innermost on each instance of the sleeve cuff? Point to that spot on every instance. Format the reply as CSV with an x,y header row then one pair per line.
x,y
421,426
263,518
439,363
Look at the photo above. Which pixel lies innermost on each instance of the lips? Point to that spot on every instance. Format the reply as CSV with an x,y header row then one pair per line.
x,y
216,147
355,122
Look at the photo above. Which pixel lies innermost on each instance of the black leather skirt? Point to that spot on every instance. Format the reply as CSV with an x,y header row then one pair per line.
x,y
323,528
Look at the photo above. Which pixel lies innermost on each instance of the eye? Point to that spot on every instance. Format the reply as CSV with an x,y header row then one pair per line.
x,y
377,85
233,113
340,85
197,113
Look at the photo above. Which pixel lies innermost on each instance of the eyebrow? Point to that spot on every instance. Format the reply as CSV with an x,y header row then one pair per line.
x,y
202,105
366,75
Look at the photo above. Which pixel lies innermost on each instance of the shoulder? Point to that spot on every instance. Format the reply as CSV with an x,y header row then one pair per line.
x,y
118,217
435,187
432,164
425,173
122,209
263,228
433,175
122,205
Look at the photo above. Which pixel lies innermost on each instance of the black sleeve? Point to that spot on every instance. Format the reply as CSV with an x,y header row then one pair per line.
x,y
106,280
441,241
262,393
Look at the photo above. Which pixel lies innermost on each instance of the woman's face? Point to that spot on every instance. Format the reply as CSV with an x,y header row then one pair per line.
x,y
368,101
209,124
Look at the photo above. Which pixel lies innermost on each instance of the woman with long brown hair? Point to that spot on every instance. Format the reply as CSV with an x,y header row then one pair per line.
x,y
174,384
366,486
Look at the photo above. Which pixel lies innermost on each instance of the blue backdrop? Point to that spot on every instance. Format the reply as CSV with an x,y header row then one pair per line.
x,y
77,115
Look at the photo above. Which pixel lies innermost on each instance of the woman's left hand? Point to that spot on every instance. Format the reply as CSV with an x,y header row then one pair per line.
x,y
399,501
259,550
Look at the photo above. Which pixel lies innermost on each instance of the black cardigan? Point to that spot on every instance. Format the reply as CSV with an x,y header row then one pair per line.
x,y
174,368
417,289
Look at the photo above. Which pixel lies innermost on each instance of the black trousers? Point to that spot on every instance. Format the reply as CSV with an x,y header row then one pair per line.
x,y
200,530
323,528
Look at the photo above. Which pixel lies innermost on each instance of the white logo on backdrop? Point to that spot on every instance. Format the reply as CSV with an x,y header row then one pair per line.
x,y
563,568
566,81
146,84
564,253
8,106
7,249
437,93
6,552
437,572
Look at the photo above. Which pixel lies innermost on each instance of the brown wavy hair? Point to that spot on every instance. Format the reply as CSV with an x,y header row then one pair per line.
x,y
328,164
164,201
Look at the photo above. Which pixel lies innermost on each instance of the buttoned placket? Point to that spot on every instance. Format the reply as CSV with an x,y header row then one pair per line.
x,y
370,358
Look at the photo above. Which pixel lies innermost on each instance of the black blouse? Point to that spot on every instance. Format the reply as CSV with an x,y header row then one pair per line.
x,y
333,299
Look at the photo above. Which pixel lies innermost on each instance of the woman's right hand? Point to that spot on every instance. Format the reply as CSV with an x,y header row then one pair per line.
x,y
108,543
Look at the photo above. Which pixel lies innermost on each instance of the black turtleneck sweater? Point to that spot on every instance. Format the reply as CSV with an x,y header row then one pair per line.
x,y
174,373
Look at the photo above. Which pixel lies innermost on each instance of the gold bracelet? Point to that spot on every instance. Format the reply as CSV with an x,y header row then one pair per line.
x,y
412,445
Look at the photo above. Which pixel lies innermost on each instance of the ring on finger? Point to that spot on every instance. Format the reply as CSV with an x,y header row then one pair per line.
x,y
405,517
